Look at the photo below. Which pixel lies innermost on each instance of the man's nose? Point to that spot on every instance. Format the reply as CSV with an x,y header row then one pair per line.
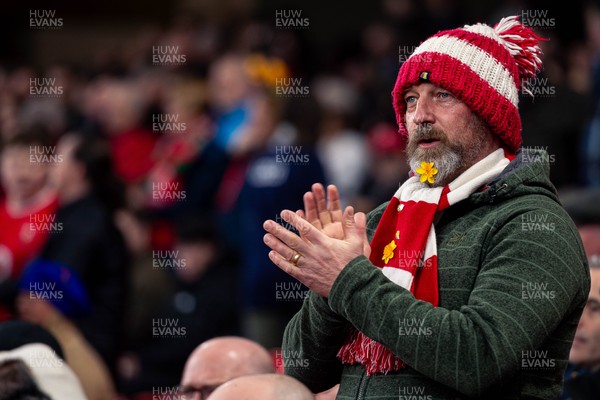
x,y
423,112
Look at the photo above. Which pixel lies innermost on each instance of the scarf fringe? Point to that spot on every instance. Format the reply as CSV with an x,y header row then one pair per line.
x,y
376,358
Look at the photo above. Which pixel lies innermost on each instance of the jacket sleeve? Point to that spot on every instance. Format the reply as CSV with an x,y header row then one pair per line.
x,y
311,342
315,334
479,345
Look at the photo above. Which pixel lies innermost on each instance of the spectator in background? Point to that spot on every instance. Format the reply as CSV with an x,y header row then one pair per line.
x,y
552,94
199,304
181,156
342,150
263,387
54,114
120,112
89,245
220,360
374,75
237,106
243,121
590,143
28,203
280,168
582,377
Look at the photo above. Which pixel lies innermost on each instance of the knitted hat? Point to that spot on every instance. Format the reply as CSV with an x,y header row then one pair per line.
x,y
57,283
482,66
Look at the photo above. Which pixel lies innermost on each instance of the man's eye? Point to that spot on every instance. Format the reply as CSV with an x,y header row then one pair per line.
x,y
444,95
410,99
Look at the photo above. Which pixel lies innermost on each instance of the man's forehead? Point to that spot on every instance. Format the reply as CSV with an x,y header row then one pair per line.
x,y
422,86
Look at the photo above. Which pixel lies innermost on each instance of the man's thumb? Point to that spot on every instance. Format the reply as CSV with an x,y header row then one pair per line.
x,y
354,224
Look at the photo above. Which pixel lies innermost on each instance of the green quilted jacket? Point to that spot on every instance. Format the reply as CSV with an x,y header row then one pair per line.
x,y
513,281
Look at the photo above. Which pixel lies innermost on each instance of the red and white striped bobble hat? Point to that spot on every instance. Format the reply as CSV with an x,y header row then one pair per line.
x,y
482,66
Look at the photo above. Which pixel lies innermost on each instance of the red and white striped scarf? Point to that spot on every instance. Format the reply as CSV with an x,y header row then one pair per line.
x,y
404,248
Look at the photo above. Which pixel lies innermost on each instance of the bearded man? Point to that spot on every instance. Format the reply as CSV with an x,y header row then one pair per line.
x,y
470,282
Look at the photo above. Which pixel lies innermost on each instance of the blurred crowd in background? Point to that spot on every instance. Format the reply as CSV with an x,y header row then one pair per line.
x,y
135,183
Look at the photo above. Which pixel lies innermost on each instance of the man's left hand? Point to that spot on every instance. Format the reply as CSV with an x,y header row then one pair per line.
x,y
314,258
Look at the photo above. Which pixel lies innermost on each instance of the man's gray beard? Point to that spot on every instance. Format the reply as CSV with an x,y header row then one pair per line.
x,y
447,158
446,163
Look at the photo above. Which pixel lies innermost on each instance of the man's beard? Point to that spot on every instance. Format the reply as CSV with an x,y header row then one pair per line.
x,y
449,158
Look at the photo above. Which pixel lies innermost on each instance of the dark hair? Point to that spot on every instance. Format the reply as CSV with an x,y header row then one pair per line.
x,y
94,153
16,333
17,383
33,136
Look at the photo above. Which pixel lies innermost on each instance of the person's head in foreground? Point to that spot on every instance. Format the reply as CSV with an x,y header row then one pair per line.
x,y
585,351
219,360
456,97
262,387
51,374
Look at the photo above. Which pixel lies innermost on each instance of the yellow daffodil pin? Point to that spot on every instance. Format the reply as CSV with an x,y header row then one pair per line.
x,y
388,251
427,172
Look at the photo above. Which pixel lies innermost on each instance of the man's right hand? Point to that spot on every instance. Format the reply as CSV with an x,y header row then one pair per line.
x,y
324,213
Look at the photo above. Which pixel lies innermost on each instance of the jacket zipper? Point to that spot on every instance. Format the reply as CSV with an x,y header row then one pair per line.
x,y
495,192
361,387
